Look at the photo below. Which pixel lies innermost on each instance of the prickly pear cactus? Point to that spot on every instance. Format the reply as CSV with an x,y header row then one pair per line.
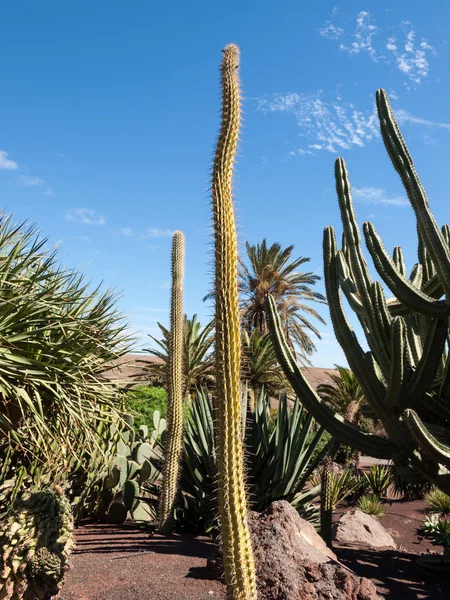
x,y
129,470
35,543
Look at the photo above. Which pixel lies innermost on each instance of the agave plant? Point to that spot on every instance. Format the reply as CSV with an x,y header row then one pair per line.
x,y
378,478
279,466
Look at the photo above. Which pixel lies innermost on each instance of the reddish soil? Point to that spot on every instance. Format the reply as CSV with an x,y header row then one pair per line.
x,y
395,572
126,563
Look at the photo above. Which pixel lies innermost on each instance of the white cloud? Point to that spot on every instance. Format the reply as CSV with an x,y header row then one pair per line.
x,y
408,54
403,116
410,57
86,216
48,192
29,181
362,37
155,232
372,195
331,32
127,232
327,125
6,163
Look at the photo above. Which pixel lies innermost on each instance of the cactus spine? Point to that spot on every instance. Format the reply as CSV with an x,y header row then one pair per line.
x,y
405,376
175,389
237,550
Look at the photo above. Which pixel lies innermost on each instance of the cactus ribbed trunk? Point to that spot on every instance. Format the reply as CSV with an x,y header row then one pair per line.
x,y
237,550
175,390
326,500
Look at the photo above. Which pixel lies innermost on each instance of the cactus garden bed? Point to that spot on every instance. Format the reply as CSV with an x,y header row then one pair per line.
x,y
126,563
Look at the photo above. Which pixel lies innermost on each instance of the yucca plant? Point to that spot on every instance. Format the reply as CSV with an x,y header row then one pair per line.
x,y
438,503
58,337
371,505
378,478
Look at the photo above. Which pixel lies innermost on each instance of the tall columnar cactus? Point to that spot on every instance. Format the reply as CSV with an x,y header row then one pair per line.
x,y
175,389
237,550
405,375
326,499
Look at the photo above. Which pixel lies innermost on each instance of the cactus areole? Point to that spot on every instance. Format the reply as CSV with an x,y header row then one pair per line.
x,y
237,551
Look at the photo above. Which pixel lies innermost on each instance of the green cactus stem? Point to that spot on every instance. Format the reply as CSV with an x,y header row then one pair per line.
x,y
175,390
326,500
405,375
238,559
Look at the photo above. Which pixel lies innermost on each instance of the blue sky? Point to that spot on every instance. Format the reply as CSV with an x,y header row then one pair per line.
x,y
109,113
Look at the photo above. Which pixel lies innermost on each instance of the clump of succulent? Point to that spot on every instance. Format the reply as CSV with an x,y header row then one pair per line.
x,y
438,503
372,505
35,543
130,469
379,479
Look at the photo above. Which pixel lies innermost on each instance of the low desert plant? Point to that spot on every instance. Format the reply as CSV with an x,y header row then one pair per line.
x,y
408,483
379,479
343,484
371,505
438,530
438,503
143,401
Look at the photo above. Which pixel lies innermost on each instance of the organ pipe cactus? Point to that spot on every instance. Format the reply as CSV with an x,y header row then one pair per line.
x,y
237,550
405,375
175,390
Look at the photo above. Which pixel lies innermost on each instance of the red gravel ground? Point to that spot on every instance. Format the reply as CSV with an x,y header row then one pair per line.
x,y
126,563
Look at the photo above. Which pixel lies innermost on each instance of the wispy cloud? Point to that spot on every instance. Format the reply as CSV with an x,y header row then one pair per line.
x,y
6,163
150,232
327,125
78,238
127,232
403,116
29,181
86,216
404,50
362,37
48,192
333,124
154,232
372,195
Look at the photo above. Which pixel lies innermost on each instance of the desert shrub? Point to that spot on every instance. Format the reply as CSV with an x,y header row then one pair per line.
x,y
372,505
408,483
438,502
378,478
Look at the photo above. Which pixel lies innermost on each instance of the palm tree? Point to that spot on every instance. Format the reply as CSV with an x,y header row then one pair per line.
x,y
271,269
197,359
260,366
344,395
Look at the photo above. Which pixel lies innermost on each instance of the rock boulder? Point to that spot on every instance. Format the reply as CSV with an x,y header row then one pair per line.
x,y
357,527
294,563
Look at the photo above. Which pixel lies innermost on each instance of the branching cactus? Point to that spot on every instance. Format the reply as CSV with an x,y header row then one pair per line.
x,y
237,550
405,375
175,390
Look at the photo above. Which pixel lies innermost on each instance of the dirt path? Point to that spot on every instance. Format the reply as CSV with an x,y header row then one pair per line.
x,y
125,563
